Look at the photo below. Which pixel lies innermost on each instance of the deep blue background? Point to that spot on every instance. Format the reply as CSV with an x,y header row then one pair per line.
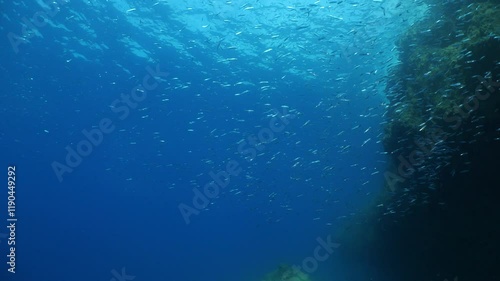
x,y
119,208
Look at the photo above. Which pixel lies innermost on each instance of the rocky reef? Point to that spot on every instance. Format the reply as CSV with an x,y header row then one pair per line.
x,y
439,218
286,273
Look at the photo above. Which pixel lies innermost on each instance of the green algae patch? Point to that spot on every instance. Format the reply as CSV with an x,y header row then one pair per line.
x,y
440,58
285,272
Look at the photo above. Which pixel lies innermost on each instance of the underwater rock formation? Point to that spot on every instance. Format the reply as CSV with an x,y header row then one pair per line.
x,y
286,273
440,217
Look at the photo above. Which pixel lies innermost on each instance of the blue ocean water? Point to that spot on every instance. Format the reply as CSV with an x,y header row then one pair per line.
x,y
215,75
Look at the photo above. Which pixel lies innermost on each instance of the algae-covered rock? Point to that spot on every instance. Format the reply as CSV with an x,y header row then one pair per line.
x,y
286,273
442,58
443,139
